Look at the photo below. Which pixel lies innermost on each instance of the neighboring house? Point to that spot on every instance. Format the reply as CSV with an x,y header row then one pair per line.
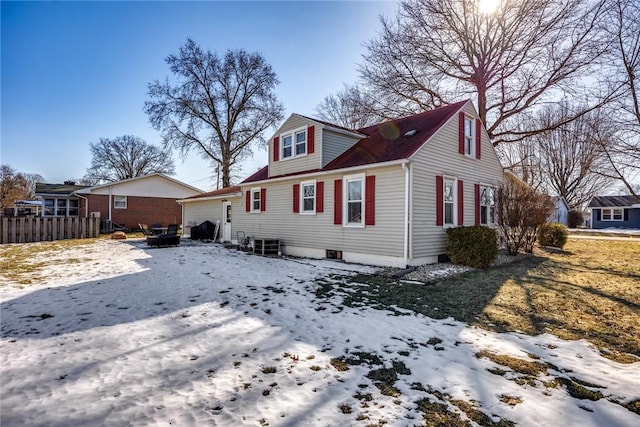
x,y
381,195
615,211
59,200
560,212
147,199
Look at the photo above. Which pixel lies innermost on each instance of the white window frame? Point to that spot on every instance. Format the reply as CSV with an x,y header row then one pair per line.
x,y
293,134
469,138
612,214
117,202
302,197
256,190
453,203
489,221
345,200
45,207
75,208
57,205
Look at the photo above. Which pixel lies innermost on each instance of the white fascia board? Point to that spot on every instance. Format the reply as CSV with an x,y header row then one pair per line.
x,y
201,199
96,187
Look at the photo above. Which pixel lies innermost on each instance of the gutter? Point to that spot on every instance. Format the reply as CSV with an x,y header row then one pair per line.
x,y
201,199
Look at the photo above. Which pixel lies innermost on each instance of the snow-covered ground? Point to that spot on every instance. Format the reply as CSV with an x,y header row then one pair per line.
x,y
610,230
202,335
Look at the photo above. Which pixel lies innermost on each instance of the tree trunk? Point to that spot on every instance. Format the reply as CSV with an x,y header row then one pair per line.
x,y
226,174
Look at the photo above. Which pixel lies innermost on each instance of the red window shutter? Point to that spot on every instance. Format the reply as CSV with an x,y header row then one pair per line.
x,y
296,198
439,200
337,202
476,190
276,149
311,139
478,137
247,204
370,201
461,132
320,197
263,199
460,203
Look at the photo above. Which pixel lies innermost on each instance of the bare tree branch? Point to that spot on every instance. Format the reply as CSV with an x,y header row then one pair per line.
x,y
217,107
514,61
126,157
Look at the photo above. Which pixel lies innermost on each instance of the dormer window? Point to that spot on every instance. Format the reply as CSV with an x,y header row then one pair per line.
x,y
468,137
301,142
287,142
294,144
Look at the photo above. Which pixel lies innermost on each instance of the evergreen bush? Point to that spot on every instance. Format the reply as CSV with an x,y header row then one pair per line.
x,y
475,246
553,234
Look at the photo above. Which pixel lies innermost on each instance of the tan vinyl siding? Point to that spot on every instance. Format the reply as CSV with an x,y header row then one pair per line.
x,y
196,213
439,156
296,164
318,231
334,144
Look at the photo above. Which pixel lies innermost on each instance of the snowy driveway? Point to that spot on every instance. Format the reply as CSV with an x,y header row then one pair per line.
x,y
200,335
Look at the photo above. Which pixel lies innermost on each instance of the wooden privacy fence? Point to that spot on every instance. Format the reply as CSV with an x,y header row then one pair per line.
x,y
37,229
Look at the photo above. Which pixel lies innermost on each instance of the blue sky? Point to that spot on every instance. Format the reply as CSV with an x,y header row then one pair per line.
x,y
73,72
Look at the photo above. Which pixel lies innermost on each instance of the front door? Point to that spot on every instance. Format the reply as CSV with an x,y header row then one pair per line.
x,y
226,221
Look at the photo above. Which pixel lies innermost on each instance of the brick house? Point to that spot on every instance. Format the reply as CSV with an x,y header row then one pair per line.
x,y
149,199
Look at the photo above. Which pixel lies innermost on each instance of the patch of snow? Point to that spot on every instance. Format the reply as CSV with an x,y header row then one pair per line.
x,y
201,335
633,231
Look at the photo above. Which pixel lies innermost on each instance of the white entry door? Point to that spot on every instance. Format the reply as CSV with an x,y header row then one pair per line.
x,y
226,221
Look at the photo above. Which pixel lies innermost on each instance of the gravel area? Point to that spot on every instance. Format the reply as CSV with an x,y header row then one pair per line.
x,y
432,273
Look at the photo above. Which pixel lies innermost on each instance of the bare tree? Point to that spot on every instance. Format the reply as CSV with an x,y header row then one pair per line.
x,y
570,156
521,212
523,55
568,160
126,157
349,108
523,159
623,27
16,185
217,106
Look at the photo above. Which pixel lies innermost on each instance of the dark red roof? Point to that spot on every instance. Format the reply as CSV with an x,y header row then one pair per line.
x,y
220,192
385,142
261,175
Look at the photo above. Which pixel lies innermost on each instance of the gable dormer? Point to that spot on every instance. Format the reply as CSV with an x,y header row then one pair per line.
x,y
304,144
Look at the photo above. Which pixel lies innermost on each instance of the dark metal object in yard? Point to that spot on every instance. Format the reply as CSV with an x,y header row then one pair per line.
x,y
244,242
204,231
170,238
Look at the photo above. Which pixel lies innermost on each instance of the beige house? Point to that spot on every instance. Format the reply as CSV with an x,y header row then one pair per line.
x,y
381,195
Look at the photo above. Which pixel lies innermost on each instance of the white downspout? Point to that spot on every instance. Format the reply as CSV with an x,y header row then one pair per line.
x,y
182,227
110,203
86,204
405,167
